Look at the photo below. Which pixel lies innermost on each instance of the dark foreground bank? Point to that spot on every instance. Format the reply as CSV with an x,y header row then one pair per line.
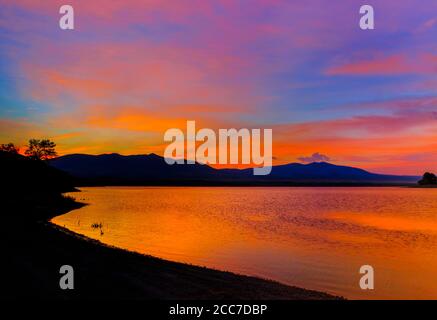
x,y
35,250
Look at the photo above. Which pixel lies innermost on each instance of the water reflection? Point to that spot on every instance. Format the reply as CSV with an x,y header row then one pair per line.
x,y
311,237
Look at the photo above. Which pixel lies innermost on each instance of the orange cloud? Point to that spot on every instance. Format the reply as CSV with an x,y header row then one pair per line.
x,y
387,144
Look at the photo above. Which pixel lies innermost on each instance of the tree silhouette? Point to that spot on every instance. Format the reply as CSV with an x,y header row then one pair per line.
x,y
428,179
41,149
9,148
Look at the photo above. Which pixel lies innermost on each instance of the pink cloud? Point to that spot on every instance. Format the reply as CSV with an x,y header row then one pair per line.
x,y
389,143
144,73
392,65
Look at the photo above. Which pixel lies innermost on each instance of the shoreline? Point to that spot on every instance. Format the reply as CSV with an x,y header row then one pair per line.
x,y
252,287
252,184
102,272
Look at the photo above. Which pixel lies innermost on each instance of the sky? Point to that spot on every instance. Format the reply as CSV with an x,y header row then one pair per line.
x,y
133,69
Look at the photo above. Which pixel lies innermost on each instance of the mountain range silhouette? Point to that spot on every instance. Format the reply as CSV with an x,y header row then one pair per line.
x,y
151,169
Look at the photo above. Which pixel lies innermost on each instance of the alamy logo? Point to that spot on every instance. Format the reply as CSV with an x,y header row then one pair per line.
x,y
66,22
367,20
367,281
229,147
67,280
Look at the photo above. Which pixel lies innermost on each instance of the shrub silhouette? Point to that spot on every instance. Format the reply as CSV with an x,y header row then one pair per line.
x,y
428,179
9,147
41,149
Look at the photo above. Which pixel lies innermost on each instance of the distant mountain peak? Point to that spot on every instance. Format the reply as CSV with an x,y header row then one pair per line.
x,y
154,155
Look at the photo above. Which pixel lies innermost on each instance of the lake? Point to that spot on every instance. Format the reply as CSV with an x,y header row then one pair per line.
x,y
316,238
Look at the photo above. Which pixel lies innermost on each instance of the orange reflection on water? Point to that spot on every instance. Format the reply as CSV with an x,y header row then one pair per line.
x,y
394,222
311,237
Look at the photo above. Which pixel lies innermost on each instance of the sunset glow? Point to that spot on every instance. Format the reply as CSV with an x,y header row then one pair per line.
x,y
126,74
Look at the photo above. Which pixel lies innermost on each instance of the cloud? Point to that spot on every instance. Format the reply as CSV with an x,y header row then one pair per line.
x,y
427,25
129,72
316,157
392,65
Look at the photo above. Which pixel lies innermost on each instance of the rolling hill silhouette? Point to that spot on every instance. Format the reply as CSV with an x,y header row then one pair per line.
x,y
21,174
116,169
